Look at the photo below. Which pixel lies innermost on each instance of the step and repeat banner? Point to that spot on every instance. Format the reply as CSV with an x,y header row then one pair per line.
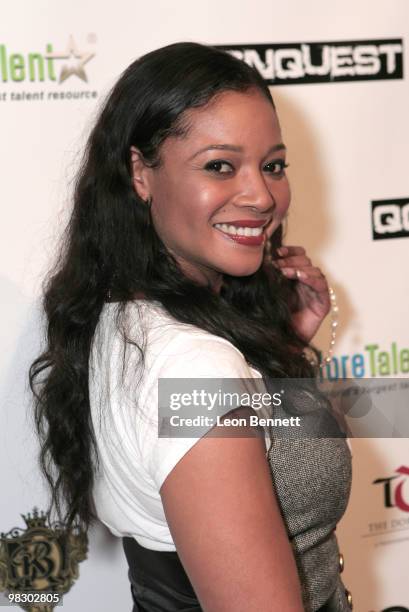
x,y
338,74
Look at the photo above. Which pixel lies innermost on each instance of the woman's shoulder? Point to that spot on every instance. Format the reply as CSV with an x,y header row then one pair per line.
x,y
169,340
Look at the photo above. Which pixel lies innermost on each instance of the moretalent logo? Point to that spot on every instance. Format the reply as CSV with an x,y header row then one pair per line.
x,y
323,62
374,361
390,218
21,73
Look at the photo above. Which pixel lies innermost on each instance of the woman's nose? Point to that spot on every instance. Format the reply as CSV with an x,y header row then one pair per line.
x,y
254,192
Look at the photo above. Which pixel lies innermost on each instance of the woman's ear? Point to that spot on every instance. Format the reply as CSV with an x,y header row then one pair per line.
x,y
140,174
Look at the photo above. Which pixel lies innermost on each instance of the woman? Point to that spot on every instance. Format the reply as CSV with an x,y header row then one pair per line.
x,y
156,281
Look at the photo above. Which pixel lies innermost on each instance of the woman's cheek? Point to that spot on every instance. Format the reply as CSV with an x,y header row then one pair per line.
x,y
284,199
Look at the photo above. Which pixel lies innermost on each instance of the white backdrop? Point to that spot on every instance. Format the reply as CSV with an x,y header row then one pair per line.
x,y
347,148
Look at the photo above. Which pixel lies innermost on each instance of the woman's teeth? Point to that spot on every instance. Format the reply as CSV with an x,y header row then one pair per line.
x,y
239,231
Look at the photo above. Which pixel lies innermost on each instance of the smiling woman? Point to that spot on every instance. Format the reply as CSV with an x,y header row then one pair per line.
x,y
172,268
246,188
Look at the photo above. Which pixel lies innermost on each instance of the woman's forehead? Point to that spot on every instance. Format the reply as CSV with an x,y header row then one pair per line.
x,y
222,105
230,115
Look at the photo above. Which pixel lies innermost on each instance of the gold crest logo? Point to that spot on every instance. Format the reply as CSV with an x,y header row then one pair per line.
x,y
38,565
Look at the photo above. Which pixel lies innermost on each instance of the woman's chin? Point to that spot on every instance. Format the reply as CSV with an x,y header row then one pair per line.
x,y
244,268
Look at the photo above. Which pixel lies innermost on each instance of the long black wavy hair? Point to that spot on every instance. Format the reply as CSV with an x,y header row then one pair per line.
x,y
111,245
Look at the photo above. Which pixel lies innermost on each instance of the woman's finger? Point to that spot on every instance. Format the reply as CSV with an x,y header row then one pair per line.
x,y
308,270
309,276
283,251
295,261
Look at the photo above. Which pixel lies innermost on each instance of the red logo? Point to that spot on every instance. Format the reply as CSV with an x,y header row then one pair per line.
x,y
393,491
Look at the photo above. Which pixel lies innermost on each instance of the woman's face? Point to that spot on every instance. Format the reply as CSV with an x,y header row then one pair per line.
x,y
228,170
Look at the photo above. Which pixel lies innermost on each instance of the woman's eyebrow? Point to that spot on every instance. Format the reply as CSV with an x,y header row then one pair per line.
x,y
230,147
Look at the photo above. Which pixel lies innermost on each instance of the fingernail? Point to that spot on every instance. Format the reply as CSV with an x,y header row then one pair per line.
x,y
288,271
282,251
301,274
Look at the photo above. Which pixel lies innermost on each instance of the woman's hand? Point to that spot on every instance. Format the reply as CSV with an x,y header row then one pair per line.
x,y
311,286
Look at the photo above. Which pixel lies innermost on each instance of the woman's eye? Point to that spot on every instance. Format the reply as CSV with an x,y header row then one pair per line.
x,y
217,166
277,167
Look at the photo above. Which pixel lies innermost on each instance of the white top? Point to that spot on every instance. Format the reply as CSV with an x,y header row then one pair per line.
x,y
134,461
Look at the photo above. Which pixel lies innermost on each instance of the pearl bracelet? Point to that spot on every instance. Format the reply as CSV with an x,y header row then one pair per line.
x,y
334,325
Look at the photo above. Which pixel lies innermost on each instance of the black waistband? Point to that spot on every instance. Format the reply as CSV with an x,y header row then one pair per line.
x,y
159,582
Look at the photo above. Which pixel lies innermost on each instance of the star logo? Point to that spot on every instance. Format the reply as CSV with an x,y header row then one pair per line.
x,y
76,61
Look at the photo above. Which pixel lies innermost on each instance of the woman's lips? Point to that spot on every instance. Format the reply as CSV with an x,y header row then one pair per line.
x,y
246,240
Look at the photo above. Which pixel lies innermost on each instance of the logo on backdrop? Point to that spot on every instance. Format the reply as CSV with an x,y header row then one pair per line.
x,y
324,62
393,495
390,218
22,73
374,360
77,57
38,565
